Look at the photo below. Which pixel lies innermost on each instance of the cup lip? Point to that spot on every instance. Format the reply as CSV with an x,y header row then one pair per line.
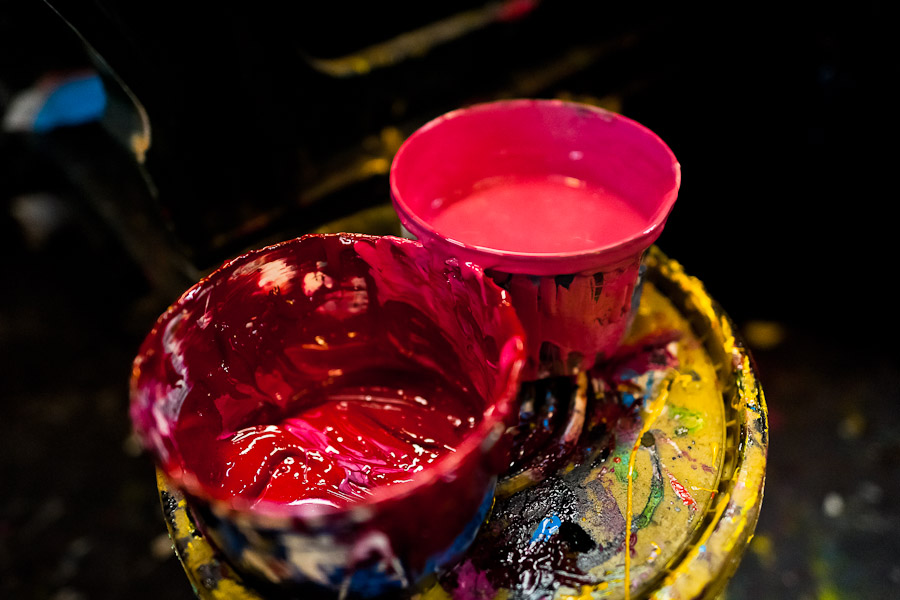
x,y
536,263
274,514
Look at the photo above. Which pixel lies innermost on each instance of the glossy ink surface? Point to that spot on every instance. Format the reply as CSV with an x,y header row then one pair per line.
x,y
539,215
337,446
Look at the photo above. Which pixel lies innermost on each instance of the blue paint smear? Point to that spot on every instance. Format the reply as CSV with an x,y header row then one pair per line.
x,y
547,527
462,542
74,102
638,290
370,582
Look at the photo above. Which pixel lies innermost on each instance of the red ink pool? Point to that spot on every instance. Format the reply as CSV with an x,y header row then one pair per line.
x,y
337,446
573,215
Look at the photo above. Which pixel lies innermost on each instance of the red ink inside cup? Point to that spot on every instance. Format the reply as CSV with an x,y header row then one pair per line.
x,y
335,450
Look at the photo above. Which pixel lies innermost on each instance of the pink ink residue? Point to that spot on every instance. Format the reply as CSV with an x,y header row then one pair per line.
x,y
573,214
472,583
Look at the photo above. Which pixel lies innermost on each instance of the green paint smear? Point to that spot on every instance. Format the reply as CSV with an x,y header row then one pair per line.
x,y
689,421
657,489
653,501
620,467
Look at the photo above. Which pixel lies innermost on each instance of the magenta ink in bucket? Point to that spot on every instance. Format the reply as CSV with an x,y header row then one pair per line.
x,y
558,201
335,409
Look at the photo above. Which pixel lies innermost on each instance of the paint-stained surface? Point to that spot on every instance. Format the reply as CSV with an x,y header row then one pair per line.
x,y
210,575
557,529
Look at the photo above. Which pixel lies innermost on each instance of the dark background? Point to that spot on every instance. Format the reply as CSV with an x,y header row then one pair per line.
x,y
783,121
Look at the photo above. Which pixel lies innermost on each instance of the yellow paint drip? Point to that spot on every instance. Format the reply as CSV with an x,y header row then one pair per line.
x,y
514,484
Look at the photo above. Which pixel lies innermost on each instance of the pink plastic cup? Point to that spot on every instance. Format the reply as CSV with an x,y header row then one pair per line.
x,y
558,201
